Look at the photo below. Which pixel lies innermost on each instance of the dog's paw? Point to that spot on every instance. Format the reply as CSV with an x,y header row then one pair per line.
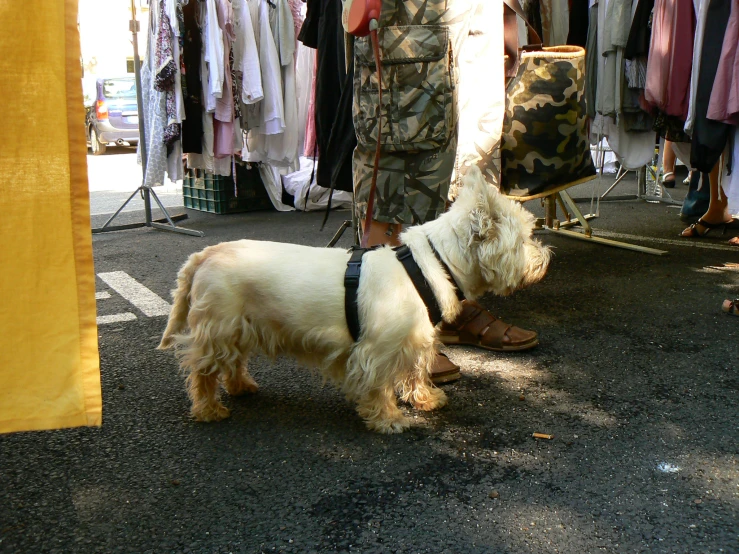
x,y
210,413
390,426
431,399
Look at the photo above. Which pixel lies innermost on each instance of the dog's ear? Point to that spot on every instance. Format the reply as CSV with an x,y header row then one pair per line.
x,y
537,262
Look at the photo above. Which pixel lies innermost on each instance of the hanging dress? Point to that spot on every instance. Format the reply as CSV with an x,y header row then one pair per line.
x,y
709,137
670,57
724,104
192,125
155,112
701,12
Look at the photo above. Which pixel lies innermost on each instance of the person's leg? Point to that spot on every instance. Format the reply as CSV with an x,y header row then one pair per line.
x,y
668,165
696,201
382,233
718,208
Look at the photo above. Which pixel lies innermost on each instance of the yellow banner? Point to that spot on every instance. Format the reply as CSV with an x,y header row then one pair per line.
x,y
49,364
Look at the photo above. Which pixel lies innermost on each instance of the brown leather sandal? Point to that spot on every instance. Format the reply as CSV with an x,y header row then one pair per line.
x,y
475,326
444,370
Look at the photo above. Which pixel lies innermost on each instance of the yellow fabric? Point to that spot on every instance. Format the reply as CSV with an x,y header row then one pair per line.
x,y
49,364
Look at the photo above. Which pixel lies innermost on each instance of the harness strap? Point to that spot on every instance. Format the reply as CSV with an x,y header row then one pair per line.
x,y
405,257
351,288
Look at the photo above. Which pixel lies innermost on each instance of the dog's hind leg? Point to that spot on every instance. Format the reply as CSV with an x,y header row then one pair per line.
x,y
205,396
239,382
213,351
380,411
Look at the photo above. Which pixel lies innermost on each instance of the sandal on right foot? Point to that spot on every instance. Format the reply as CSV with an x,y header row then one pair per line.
x,y
475,326
693,232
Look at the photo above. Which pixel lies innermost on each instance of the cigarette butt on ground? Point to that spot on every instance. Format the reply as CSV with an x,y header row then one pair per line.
x,y
543,436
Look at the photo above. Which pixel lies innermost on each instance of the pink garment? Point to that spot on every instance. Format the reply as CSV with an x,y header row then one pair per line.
x,y
223,139
296,8
311,147
225,104
724,104
671,57
223,119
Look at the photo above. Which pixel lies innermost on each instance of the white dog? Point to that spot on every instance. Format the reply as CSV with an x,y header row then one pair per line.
x,y
244,297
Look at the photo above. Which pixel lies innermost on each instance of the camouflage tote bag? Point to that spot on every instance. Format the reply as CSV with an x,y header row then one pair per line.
x,y
545,146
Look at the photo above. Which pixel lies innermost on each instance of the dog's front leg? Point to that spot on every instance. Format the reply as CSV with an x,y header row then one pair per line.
x,y
379,409
419,391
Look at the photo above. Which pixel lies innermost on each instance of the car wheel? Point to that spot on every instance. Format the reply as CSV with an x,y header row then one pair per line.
x,y
98,148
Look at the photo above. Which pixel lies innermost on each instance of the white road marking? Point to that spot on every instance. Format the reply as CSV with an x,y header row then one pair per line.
x,y
102,295
115,318
136,293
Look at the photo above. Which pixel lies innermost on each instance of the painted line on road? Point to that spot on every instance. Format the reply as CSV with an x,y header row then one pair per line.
x,y
102,295
136,293
115,318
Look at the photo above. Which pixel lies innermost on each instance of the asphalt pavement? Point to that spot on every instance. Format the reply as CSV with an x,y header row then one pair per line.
x,y
635,379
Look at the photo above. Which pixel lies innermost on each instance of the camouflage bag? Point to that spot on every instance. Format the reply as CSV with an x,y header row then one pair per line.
x,y
418,89
545,146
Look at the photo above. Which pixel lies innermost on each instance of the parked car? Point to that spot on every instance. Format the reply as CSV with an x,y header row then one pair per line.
x,y
113,117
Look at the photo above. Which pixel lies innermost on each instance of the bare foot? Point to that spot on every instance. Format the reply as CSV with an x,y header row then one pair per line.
x,y
734,241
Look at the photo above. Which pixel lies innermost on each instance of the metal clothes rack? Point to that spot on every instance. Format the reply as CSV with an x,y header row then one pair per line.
x,y
146,191
649,185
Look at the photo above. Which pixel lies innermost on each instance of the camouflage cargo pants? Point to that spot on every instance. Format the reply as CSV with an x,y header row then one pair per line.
x,y
425,111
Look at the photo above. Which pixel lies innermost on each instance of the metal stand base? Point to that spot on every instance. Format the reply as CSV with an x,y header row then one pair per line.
x,y
662,197
619,177
147,193
552,224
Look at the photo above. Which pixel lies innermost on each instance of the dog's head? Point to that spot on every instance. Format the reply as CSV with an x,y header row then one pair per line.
x,y
498,236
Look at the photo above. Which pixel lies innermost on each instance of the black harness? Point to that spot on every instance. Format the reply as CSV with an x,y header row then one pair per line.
x,y
405,257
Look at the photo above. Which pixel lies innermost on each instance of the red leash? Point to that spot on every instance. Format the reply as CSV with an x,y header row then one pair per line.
x,y
373,186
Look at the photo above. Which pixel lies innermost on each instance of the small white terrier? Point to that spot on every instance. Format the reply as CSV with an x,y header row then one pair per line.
x,y
244,297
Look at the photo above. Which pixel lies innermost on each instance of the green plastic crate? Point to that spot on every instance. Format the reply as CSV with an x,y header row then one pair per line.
x,y
206,192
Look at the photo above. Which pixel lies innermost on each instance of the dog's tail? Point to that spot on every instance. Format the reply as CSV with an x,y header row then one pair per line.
x,y
181,297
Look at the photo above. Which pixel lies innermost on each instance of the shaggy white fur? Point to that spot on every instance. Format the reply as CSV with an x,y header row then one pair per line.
x,y
243,297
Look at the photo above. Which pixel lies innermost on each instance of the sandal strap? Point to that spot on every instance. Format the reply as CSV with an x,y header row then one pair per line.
x,y
469,312
479,324
667,175
495,334
708,225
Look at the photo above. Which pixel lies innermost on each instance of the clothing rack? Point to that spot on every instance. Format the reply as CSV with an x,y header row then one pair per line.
x,y
644,174
146,191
